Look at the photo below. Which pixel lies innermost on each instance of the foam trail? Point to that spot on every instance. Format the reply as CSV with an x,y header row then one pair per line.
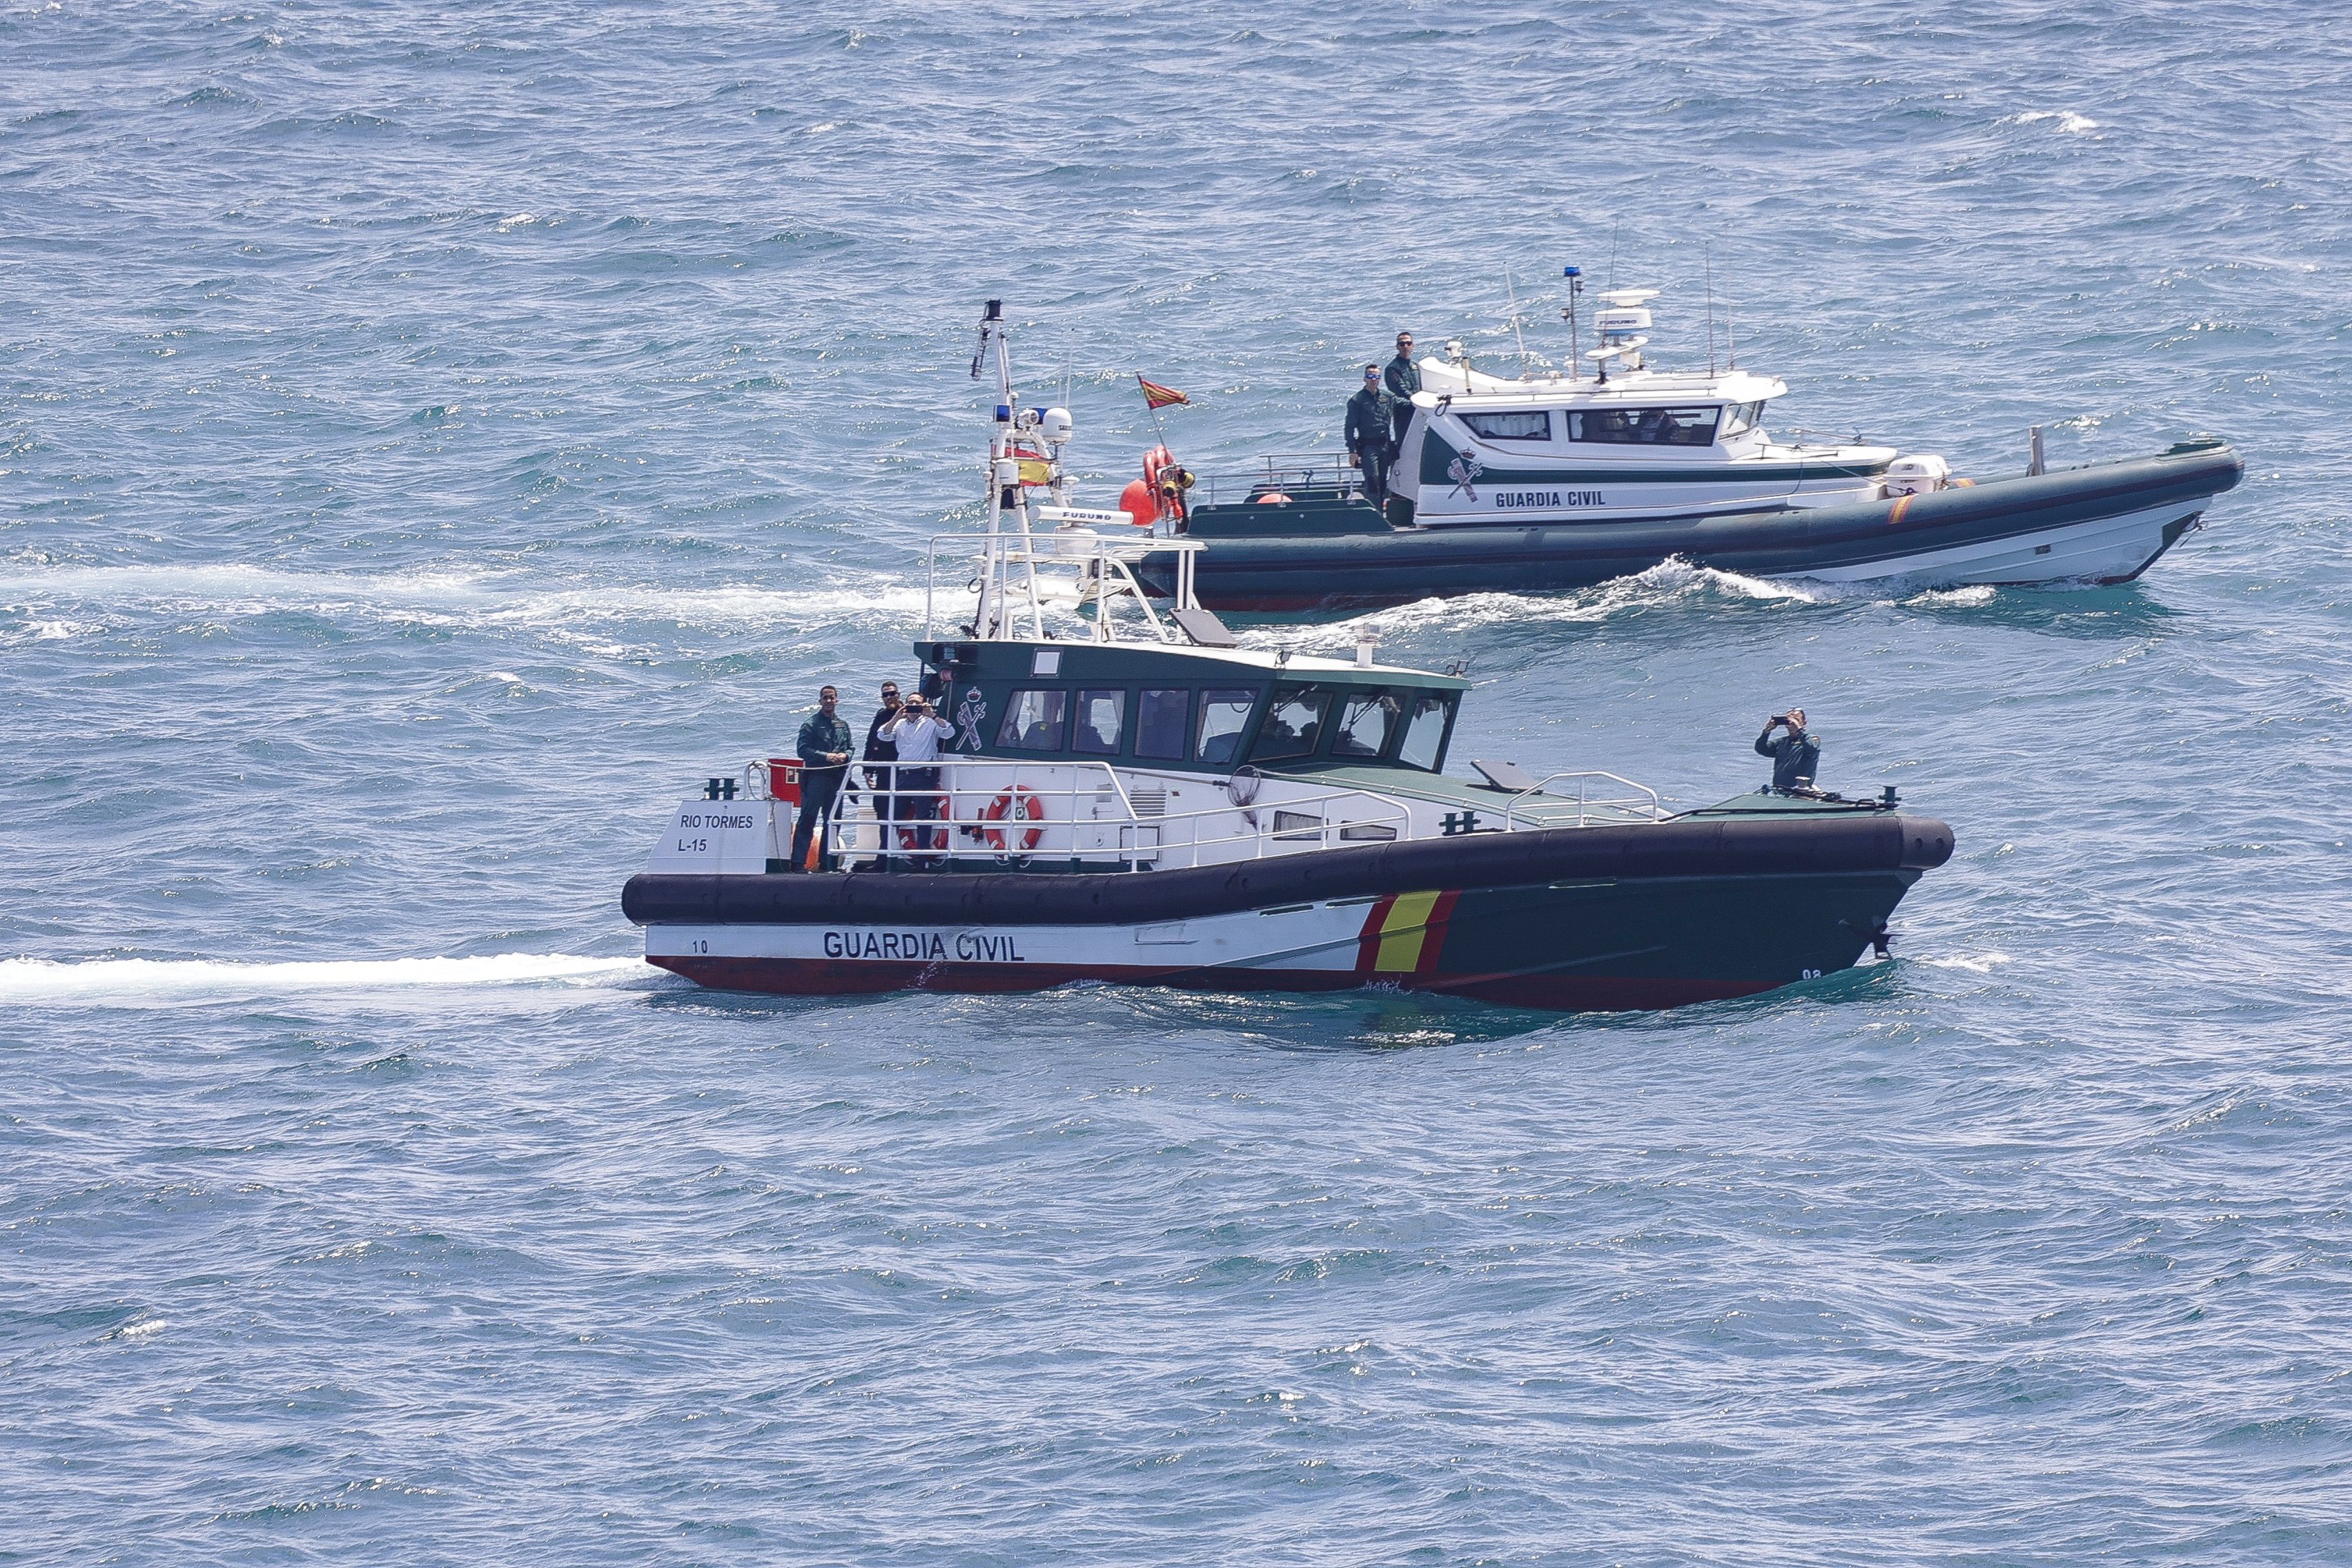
x,y
138,979
1667,583
452,599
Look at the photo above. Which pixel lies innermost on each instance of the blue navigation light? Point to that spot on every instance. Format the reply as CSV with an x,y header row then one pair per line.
x,y
1004,414
1572,272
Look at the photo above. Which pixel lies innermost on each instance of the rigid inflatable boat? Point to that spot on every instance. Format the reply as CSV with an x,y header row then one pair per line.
x,y
1559,481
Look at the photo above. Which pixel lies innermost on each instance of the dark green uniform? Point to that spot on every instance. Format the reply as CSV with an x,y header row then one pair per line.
x,y
1402,379
820,779
1369,441
1795,756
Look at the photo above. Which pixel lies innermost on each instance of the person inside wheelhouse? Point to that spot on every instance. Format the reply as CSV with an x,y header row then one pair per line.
x,y
1645,427
1221,727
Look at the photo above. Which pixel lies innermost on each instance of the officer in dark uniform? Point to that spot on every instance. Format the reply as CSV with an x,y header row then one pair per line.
x,y
1402,378
1795,756
881,785
1369,447
824,749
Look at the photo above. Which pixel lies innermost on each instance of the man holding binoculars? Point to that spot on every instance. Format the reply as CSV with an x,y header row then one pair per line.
x,y
1795,756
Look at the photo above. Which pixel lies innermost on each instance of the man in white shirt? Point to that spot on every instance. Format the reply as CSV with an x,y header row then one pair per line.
x,y
917,733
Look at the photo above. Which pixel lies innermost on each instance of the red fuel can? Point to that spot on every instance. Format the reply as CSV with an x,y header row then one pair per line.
x,y
784,779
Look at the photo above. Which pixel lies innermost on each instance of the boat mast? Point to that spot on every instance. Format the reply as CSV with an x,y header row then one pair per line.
x,y
1710,308
1004,480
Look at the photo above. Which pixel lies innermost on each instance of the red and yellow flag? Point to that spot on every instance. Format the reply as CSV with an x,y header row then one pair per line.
x,y
1156,396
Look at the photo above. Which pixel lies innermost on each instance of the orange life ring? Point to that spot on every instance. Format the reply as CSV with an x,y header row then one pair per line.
x,y
917,835
1020,805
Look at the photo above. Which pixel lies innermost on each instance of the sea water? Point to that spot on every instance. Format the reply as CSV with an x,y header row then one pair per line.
x,y
434,441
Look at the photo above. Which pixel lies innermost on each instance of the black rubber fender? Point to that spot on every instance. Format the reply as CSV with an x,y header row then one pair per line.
x,y
1683,847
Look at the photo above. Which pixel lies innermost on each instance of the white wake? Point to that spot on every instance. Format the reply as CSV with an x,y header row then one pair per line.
x,y
137,979
1667,583
442,599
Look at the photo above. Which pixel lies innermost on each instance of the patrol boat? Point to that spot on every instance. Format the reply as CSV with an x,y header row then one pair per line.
x,y
1561,481
1130,796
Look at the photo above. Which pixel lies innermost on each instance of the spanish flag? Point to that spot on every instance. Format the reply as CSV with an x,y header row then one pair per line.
x,y
1156,396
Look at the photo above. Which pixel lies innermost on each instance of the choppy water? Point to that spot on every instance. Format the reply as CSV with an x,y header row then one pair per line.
x,y
429,439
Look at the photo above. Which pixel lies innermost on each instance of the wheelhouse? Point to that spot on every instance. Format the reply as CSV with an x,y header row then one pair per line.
x,y
1203,710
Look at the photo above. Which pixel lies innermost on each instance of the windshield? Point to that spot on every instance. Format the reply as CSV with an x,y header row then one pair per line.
x,y
1366,719
1293,725
1424,733
1224,715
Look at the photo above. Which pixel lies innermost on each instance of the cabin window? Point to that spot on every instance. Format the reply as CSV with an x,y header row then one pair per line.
x,y
1366,719
1225,714
1427,719
1294,724
1160,723
1644,426
1532,425
1101,716
1034,720
1741,417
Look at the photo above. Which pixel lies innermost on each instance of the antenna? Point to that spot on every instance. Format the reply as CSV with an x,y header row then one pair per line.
x,y
1710,307
1575,276
1731,345
1613,253
1512,294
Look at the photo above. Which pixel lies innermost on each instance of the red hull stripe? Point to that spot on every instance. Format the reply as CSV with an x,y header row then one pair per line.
x,y
1368,944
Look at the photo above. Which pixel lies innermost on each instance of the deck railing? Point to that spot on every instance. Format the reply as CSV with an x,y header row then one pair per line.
x,y
1641,803
1286,473
980,807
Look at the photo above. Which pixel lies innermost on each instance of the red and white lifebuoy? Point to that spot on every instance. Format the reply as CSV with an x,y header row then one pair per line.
x,y
919,834
1018,805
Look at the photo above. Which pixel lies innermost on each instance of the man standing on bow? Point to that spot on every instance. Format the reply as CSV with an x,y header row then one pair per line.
x,y
823,749
1795,756
1367,437
1402,379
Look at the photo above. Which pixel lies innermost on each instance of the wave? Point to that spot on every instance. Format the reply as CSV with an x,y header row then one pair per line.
x,y
1975,963
139,980
442,599
1667,583
2068,122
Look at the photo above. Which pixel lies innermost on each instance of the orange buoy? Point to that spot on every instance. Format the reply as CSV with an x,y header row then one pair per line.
x,y
1017,804
1139,504
1274,497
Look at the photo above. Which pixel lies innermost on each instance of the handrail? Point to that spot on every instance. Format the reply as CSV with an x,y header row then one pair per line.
x,y
1085,779
1584,802
1275,470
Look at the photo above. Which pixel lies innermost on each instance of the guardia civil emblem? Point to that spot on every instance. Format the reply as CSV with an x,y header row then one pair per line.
x,y
1462,470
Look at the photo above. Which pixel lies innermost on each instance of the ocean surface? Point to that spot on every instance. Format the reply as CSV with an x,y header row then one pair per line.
x,y
433,440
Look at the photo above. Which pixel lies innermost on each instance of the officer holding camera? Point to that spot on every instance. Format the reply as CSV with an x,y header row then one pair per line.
x,y
917,733
1795,756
